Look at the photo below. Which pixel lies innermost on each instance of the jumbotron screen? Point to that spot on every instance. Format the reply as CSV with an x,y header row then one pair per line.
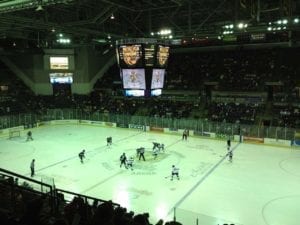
x,y
134,79
61,78
163,53
130,56
158,76
142,65
59,63
142,55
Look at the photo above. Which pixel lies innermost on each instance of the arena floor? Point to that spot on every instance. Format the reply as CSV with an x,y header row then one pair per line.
x,y
261,186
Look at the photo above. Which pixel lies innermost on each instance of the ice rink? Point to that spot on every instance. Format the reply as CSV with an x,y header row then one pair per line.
x,y
261,186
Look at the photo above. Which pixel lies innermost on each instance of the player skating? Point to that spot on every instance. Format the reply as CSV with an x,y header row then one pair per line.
x,y
32,167
175,172
29,136
158,146
141,152
109,141
155,152
129,163
162,147
123,159
185,134
228,143
81,155
230,155
155,145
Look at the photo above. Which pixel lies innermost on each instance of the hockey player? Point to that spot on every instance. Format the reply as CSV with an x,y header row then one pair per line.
x,y
228,143
141,153
29,136
230,155
228,149
161,147
130,163
185,134
123,159
158,146
32,167
109,141
81,155
155,152
175,172
155,145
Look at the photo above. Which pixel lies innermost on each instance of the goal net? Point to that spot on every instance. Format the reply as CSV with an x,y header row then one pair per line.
x,y
14,134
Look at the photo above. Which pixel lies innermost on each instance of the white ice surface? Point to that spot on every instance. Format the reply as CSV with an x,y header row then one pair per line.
x,y
261,186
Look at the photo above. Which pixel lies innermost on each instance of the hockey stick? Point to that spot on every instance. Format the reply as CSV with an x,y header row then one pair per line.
x,y
167,176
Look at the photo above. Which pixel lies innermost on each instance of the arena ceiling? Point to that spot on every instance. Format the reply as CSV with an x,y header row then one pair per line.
x,y
90,20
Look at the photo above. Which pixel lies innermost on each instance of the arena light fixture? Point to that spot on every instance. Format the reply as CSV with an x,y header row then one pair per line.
x,y
165,32
242,25
64,40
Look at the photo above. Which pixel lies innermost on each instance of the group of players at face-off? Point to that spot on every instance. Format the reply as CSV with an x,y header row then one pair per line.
x,y
140,154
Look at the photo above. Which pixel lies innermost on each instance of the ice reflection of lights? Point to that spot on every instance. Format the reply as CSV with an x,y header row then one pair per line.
x,y
161,211
121,196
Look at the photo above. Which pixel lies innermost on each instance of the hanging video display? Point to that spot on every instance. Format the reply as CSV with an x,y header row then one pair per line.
x,y
130,56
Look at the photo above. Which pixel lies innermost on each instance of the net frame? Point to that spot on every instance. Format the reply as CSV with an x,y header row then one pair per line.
x,y
14,134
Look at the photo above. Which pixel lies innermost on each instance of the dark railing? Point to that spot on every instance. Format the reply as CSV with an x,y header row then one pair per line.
x,y
17,182
12,184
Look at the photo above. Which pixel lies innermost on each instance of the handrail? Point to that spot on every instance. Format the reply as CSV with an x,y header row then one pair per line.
x,y
57,190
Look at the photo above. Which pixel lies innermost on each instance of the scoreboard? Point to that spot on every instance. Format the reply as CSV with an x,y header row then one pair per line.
x,y
149,55
142,65
130,56
162,55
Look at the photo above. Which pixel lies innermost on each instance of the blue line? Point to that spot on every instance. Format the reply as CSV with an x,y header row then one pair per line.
x,y
200,181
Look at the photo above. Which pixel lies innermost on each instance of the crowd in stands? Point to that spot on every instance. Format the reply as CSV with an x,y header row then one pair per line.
x,y
287,116
22,205
233,112
12,92
239,70
169,108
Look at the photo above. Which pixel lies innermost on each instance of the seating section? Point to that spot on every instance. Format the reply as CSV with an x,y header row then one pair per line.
x,y
236,70
22,205
233,112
